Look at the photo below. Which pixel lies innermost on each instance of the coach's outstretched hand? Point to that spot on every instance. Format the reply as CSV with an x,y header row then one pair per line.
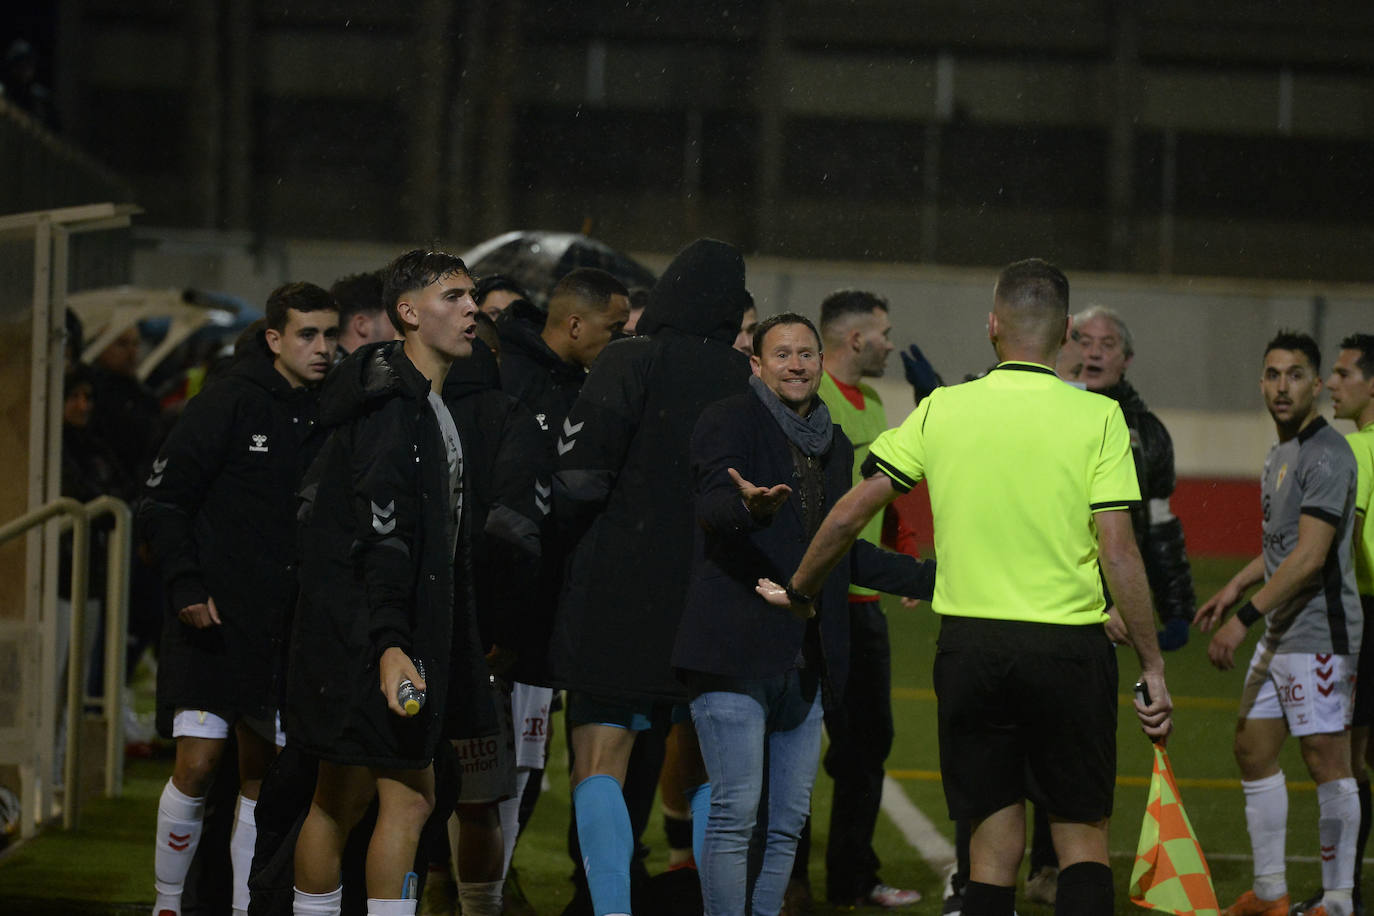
x,y
776,595
1156,719
761,502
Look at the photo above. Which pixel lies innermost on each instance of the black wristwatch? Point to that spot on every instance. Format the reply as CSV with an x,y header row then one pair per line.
x,y
797,597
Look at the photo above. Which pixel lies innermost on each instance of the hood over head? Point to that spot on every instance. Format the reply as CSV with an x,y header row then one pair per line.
x,y
701,292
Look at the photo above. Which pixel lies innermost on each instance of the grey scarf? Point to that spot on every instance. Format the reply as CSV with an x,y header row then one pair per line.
x,y
811,433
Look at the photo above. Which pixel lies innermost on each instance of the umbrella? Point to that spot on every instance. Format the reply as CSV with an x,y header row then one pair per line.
x,y
537,260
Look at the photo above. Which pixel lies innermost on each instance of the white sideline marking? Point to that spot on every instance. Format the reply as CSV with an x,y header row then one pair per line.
x,y
916,828
938,853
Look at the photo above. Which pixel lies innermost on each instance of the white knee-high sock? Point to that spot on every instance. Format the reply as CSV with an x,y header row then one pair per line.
x,y
509,811
1266,815
241,842
179,821
330,904
377,907
1337,823
480,898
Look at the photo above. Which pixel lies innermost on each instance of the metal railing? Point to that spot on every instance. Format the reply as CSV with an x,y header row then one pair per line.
x,y
76,516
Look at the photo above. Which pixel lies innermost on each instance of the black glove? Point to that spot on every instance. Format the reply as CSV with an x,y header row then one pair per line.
x,y
920,374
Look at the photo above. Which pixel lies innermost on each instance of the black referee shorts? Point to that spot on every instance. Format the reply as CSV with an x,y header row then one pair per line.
x,y
1026,710
1363,713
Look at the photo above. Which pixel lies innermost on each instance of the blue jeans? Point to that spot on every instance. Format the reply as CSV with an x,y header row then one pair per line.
x,y
769,735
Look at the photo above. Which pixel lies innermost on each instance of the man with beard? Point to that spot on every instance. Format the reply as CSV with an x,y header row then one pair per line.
x,y
856,330
1302,672
1029,483
767,464
1352,398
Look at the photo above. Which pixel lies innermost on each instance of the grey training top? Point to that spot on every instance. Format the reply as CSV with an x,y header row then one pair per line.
x,y
1313,474
453,447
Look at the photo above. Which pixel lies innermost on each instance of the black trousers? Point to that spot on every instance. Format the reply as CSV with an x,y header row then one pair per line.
x,y
861,732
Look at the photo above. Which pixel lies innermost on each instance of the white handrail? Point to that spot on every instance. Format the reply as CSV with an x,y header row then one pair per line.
x,y
77,516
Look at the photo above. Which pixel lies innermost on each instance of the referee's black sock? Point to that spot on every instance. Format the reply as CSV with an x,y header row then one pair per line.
x,y
988,899
1085,889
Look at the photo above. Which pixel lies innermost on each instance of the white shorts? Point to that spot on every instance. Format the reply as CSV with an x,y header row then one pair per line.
x,y
530,710
197,723
486,765
1314,692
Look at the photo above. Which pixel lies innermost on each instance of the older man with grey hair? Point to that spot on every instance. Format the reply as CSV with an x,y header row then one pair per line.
x,y
1107,351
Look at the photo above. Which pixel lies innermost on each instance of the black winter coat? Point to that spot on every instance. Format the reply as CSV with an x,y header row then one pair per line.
x,y
377,570
547,386
219,510
1158,532
727,629
535,375
506,456
623,491
128,417
90,469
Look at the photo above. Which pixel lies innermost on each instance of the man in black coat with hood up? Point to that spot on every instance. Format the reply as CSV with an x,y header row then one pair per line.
x,y
623,484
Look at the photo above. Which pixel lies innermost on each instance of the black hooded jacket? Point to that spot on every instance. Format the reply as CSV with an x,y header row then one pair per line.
x,y
1158,531
531,372
219,510
506,456
378,570
623,484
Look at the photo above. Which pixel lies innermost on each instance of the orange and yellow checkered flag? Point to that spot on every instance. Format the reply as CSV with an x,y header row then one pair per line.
x,y
1170,873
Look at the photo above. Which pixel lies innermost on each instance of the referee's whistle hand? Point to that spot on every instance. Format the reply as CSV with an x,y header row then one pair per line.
x,y
1156,720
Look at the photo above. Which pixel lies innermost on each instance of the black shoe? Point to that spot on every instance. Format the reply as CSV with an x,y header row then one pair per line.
x,y
1302,906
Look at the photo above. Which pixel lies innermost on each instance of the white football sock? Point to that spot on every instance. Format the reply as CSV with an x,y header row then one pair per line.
x,y
480,898
1338,821
377,907
1266,815
330,904
179,821
241,842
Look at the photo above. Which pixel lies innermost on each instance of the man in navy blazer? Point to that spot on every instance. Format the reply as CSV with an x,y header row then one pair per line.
x,y
760,676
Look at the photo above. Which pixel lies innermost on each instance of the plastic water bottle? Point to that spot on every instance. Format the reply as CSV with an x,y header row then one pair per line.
x,y
408,696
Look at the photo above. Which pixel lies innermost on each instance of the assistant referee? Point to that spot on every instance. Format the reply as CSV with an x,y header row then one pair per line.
x,y
1031,481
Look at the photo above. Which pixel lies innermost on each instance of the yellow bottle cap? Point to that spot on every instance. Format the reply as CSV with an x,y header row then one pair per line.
x,y
412,706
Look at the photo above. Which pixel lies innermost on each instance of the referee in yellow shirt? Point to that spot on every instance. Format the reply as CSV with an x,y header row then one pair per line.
x,y
1030,483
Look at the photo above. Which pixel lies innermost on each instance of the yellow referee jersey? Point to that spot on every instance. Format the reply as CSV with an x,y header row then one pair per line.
x,y
1362,444
1017,463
